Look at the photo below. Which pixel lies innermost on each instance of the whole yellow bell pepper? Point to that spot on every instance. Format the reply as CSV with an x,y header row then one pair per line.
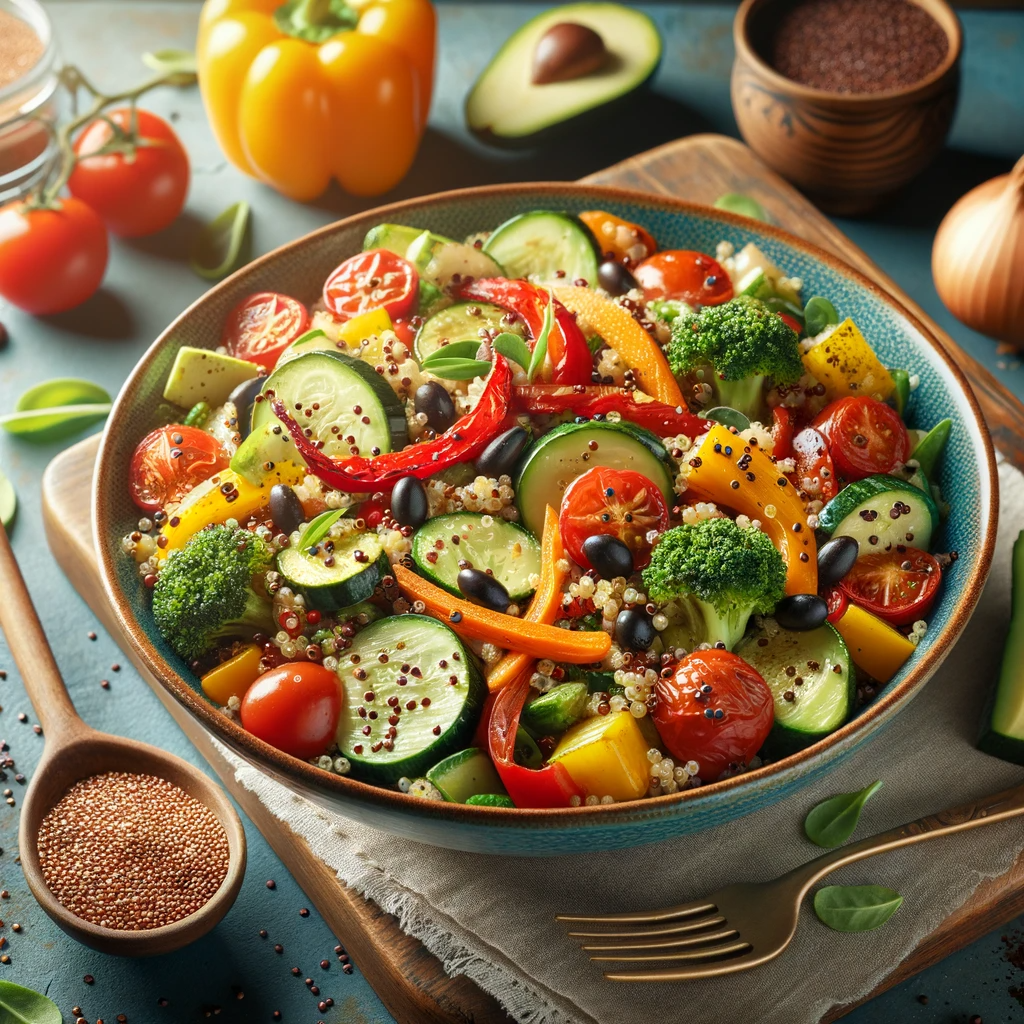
x,y
301,92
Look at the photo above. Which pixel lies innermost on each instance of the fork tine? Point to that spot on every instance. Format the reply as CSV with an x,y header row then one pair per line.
x,y
649,917
690,972
703,953
649,933
694,940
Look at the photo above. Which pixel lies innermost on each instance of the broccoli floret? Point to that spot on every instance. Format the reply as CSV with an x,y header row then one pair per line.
x,y
743,342
731,571
204,592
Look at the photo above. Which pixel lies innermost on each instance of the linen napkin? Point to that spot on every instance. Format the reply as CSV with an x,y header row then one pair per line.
x,y
491,918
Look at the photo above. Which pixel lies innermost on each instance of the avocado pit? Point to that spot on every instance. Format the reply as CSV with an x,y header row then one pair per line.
x,y
567,51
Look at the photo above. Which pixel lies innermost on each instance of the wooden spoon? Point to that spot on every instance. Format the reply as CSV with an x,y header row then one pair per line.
x,y
75,751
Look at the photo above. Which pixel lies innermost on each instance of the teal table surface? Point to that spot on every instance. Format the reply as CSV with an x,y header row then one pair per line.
x,y
233,973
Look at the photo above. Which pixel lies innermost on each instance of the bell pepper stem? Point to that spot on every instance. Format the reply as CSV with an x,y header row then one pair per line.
x,y
311,13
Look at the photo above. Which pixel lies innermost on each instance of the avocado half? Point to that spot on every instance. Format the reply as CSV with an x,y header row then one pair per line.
x,y
504,106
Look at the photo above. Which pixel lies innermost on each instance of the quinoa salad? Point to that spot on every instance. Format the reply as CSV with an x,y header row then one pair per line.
x,y
544,517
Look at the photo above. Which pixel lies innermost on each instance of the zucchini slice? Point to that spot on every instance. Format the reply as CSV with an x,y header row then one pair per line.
x,y
399,239
466,774
881,512
343,571
462,322
546,247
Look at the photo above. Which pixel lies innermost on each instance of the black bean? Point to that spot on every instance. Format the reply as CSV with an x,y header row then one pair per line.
x,y
801,611
409,502
835,560
502,454
244,398
436,404
285,509
608,555
614,278
476,585
634,629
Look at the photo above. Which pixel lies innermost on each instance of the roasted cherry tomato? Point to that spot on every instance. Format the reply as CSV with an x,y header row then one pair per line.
x,y
815,473
294,707
782,432
898,586
691,277
262,326
620,502
137,187
51,260
716,710
376,279
864,436
170,461
619,239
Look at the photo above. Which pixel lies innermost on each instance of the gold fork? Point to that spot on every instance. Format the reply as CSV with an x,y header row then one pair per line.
x,y
741,926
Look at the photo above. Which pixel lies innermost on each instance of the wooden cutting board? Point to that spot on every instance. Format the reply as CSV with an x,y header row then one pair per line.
x,y
407,978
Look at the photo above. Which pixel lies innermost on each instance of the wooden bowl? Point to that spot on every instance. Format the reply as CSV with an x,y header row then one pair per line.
x,y
848,152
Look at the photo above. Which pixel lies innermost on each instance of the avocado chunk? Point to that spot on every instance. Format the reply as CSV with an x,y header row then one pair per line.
x,y
507,106
199,375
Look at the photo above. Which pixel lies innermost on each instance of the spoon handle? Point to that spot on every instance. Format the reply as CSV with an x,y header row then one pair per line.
x,y
31,650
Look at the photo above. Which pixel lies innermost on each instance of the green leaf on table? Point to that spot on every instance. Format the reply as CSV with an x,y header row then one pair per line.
x,y
8,501
855,908
179,63
833,821
746,206
223,244
511,346
540,346
458,369
454,350
819,313
320,527
20,1005
57,409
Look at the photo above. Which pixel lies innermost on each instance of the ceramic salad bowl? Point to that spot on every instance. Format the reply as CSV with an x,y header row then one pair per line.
x,y
968,479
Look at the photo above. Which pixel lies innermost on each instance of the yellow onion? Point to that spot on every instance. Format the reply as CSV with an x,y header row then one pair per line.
x,y
978,258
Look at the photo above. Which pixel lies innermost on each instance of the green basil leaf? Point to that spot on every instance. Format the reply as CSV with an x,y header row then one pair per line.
x,y
459,369
540,346
833,821
855,908
737,202
818,314
57,409
8,501
20,1005
179,63
728,417
595,343
454,350
320,527
511,346
223,244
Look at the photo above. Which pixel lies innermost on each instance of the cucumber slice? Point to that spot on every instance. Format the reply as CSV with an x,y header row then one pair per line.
x,y
550,464
553,712
333,577
466,774
462,322
512,555
864,510
755,284
541,244
312,341
398,238
454,259
814,666
444,712
929,449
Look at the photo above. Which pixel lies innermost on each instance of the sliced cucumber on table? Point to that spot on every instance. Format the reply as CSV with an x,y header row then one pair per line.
x,y
461,322
512,555
880,512
545,246
415,670
343,571
551,463
466,774
814,667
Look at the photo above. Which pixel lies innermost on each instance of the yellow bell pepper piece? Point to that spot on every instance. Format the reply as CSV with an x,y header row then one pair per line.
x,y
299,93
847,365
607,756
234,676
729,472
874,645
364,326
224,496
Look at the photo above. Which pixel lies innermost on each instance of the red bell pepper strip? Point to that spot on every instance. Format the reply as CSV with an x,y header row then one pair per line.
x,y
658,417
462,441
782,432
571,360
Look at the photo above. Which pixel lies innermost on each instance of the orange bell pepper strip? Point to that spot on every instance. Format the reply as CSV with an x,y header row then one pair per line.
x,y
508,631
622,333
627,242
544,606
300,92
728,471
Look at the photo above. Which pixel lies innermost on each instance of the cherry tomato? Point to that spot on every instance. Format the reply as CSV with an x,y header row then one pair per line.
x,y
692,277
170,461
405,332
864,436
373,509
623,503
837,603
294,707
814,464
376,279
782,432
619,239
139,187
740,705
898,586
51,260
262,326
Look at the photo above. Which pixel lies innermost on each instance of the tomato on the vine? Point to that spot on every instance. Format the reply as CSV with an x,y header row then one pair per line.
x,y
376,279
715,709
864,436
51,259
139,185
619,502
691,277
168,462
262,326
898,586
814,464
